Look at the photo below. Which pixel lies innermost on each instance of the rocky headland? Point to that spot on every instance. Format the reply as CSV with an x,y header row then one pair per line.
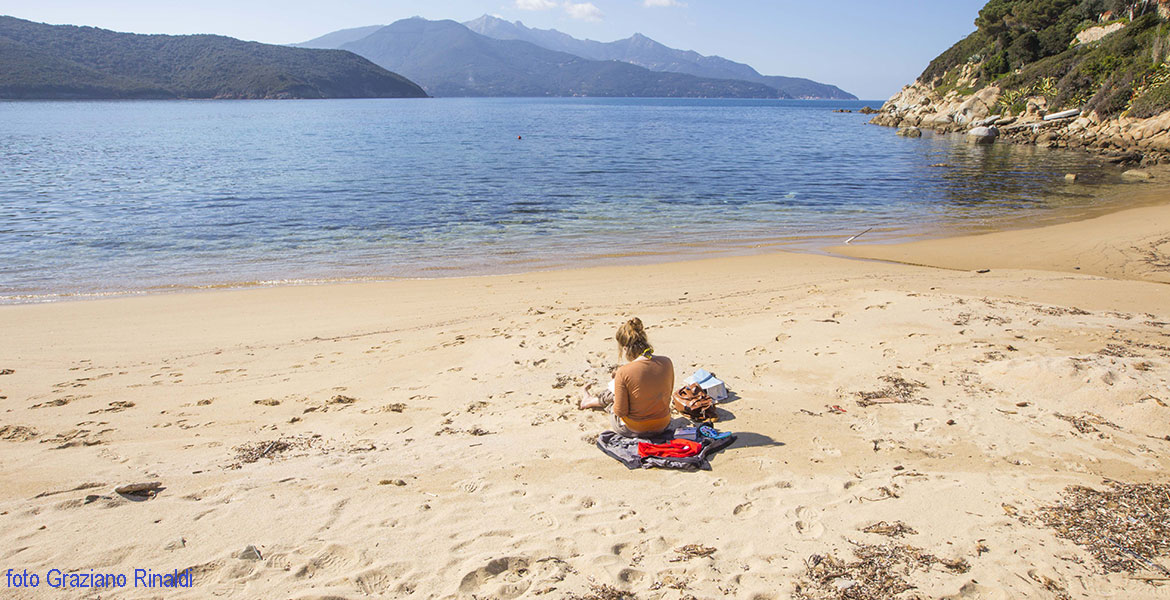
x,y
1067,77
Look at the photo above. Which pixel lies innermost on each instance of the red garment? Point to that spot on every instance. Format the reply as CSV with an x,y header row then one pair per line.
x,y
673,449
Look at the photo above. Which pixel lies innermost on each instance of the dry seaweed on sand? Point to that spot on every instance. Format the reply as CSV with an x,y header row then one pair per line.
x,y
879,572
18,433
895,529
1125,527
604,592
1059,592
1059,311
1085,423
254,451
1117,351
692,551
898,390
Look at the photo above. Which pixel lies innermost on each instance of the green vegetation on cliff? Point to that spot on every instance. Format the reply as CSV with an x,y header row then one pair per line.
x,y
1029,48
40,61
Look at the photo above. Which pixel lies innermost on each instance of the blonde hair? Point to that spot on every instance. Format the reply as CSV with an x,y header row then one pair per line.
x,y
631,339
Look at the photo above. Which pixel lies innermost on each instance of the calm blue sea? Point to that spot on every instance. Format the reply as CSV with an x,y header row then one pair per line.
x,y
113,197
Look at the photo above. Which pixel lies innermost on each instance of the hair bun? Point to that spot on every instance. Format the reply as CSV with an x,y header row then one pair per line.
x,y
636,324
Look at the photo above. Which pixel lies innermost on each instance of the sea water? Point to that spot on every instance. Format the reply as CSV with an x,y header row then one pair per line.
x,y
123,197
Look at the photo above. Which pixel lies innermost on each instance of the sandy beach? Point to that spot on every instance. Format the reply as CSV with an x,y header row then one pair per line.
x,y
420,439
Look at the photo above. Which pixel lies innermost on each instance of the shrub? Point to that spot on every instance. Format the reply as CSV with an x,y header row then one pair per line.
x,y
1114,96
959,54
1152,103
998,64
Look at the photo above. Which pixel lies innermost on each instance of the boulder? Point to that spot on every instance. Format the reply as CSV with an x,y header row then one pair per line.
x,y
979,105
910,132
983,135
910,97
933,121
1136,175
1159,142
1036,106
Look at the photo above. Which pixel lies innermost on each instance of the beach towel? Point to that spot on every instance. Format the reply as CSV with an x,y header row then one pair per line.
x,y
625,451
676,448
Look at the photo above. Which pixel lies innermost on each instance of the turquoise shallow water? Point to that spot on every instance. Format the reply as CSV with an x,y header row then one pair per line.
x,y
114,197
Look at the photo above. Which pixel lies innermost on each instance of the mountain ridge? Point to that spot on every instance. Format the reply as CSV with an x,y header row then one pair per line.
x,y
645,52
339,37
448,59
637,50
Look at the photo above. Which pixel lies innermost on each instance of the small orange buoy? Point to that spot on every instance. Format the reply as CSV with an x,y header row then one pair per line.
x,y
519,138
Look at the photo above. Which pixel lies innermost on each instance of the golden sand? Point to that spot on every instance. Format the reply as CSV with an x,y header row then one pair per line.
x,y
419,439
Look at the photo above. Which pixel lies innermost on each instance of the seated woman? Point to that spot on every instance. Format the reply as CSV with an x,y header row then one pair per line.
x,y
639,402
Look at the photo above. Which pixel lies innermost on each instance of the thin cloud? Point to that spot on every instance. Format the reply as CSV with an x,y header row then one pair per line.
x,y
661,3
585,11
535,4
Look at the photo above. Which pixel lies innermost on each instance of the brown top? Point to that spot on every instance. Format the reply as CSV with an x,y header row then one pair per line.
x,y
641,393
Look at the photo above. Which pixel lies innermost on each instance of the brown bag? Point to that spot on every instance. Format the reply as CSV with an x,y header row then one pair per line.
x,y
692,401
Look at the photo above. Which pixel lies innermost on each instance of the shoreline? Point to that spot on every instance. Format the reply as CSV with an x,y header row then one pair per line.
x,y
1141,196
1129,244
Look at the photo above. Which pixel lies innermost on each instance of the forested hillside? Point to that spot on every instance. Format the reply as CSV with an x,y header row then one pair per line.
x,y
63,61
1030,47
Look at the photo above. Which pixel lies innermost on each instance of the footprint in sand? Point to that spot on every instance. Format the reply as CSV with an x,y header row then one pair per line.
x,y
631,575
974,591
334,559
381,580
808,524
545,519
508,578
824,447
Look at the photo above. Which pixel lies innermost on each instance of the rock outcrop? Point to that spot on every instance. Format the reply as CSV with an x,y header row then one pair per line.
x,y
1132,141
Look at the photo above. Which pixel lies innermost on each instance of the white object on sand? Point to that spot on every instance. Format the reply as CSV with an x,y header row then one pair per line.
x,y
710,384
1064,114
859,235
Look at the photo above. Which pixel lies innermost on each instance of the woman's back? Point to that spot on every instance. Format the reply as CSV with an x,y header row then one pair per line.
x,y
642,390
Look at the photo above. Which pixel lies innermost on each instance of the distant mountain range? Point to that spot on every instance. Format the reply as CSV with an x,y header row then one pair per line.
x,y
493,57
645,52
39,61
448,59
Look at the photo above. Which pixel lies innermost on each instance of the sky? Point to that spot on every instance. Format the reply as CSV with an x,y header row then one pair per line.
x,y
870,48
